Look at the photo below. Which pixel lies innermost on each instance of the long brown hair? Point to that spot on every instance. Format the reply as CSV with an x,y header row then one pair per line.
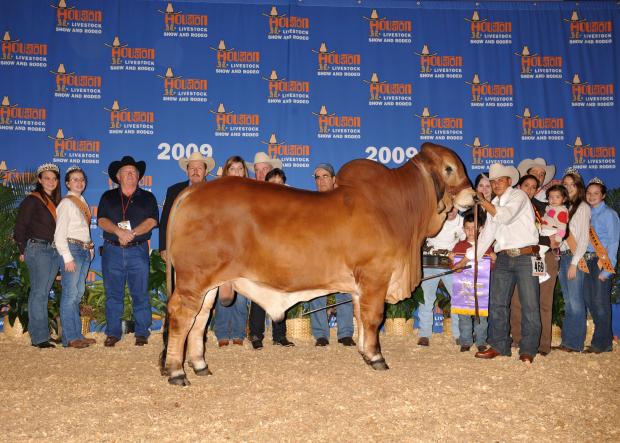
x,y
230,161
573,203
55,197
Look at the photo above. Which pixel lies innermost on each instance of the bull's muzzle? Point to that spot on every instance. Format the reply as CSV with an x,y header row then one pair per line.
x,y
464,199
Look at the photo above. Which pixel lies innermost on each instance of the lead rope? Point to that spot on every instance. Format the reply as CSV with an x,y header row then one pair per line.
x,y
476,262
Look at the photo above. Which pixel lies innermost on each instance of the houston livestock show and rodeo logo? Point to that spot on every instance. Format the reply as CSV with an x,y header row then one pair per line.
x,y
490,95
333,126
81,21
178,24
232,124
436,128
75,86
292,155
590,95
337,64
484,155
536,66
285,27
433,65
17,118
383,93
489,32
284,91
26,54
536,128
233,61
127,58
588,32
592,157
384,30
179,89
70,150
130,122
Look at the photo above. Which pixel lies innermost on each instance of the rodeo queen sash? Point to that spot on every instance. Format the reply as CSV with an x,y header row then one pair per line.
x,y
82,207
463,288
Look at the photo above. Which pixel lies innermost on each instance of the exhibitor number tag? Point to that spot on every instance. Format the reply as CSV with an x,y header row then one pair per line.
x,y
538,267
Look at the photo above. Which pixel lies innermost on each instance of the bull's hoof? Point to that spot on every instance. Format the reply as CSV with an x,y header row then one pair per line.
x,y
179,380
202,372
377,365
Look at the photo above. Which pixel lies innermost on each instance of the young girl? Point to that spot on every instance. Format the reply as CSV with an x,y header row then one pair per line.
x,y
555,220
73,241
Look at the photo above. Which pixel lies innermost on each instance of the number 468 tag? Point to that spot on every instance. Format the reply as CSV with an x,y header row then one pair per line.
x,y
538,267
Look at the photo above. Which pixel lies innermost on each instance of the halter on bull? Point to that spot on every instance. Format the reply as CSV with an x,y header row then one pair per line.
x,y
363,238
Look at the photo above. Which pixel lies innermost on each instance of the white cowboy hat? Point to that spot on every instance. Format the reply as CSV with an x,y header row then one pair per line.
x,y
538,162
208,161
262,157
498,170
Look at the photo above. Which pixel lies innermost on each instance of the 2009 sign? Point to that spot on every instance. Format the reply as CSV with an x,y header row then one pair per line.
x,y
387,155
179,150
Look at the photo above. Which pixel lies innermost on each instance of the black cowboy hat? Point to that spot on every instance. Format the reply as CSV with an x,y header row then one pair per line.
x,y
126,161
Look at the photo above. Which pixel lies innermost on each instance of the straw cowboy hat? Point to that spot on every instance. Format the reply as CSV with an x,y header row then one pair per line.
x,y
126,161
498,170
538,162
262,157
208,161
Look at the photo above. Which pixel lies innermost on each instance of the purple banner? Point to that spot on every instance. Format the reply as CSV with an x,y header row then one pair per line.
x,y
463,285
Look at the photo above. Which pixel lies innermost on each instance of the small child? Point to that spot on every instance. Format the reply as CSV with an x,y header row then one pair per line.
x,y
467,325
555,220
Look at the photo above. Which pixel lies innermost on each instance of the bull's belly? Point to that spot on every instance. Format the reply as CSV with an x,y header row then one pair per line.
x,y
276,302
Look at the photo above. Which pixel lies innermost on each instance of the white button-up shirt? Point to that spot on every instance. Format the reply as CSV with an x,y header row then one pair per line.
x,y
512,226
70,223
451,233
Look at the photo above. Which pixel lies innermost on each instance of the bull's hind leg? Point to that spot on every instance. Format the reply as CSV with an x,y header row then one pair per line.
x,y
183,307
358,320
372,305
195,339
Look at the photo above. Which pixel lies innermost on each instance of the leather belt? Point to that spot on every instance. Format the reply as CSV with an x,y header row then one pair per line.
x,y
567,252
43,242
128,245
84,245
516,252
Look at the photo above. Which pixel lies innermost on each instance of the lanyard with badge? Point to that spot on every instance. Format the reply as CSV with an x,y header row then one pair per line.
x,y
124,223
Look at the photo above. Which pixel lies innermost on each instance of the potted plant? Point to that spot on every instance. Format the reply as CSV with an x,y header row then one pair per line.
x,y
398,319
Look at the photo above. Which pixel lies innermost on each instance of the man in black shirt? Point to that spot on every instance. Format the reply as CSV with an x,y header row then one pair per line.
x,y
127,215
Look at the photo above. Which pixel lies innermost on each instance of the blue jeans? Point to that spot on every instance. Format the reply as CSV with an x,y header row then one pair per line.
x,y
574,325
597,295
130,266
468,326
425,310
344,317
42,261
508,272
615,319
73,284
230,321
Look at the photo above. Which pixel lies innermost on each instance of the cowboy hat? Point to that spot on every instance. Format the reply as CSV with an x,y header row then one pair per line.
x,y
498,170
538,162
262,157
126,161
197,156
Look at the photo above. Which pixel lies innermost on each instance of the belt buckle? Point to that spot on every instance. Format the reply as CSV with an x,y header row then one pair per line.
x,y
513,252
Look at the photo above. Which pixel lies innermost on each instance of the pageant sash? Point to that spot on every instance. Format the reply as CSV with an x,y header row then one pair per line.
x,y
603,259
572,244
48,204
82,207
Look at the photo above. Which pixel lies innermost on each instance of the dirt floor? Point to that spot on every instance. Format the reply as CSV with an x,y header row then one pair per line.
x,y
306,394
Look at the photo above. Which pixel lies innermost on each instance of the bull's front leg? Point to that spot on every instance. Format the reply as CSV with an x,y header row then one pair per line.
x,y
183,308
372,304
195,339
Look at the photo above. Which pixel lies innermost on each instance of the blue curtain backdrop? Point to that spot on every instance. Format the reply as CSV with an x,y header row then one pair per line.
x,y
88,81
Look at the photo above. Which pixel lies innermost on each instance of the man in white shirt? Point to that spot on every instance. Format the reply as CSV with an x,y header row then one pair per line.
x,y
443,243
511,224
